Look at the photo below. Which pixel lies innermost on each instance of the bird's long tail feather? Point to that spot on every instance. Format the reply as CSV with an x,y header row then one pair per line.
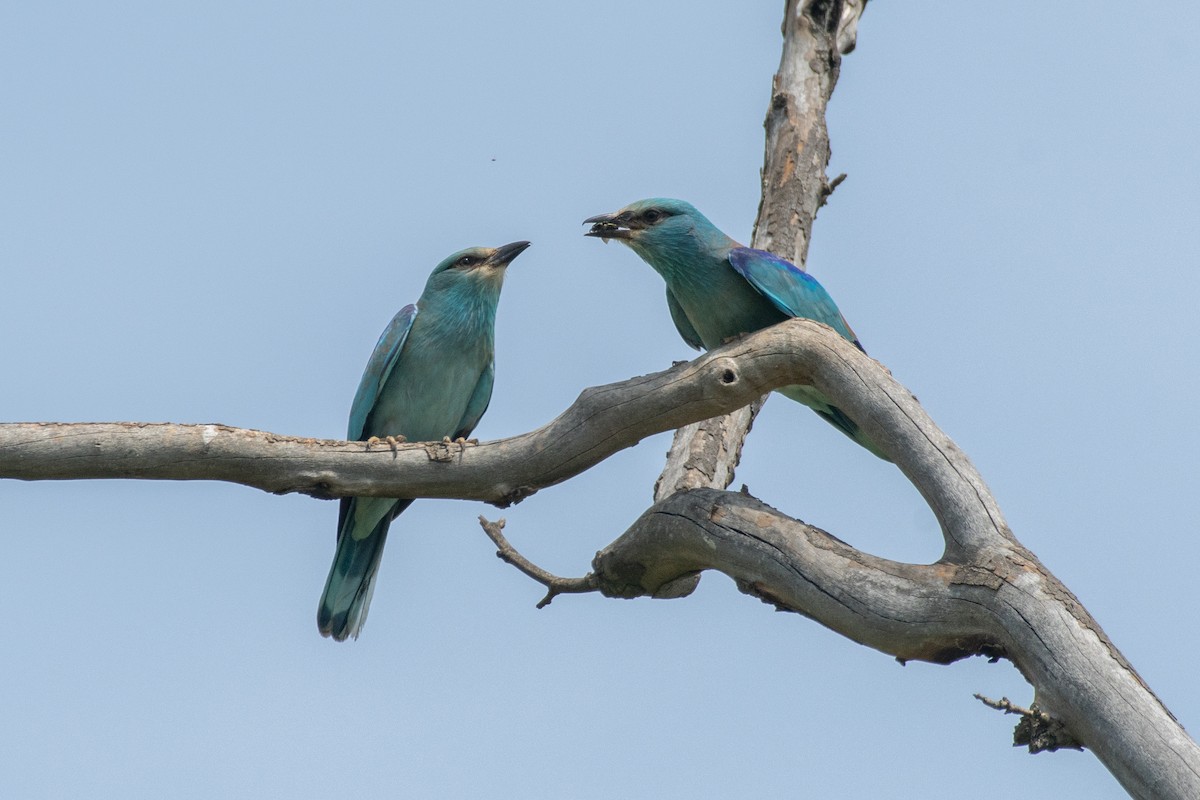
x,y
347,595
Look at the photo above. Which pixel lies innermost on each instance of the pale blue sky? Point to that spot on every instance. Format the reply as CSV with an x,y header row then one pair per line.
x,y
209,211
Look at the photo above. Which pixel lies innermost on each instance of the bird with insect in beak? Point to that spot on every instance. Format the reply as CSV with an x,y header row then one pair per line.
x,y
718,290
429,377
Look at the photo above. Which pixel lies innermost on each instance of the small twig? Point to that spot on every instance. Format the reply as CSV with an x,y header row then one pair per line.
x,y
828,188
1037,730
1007,706
554,584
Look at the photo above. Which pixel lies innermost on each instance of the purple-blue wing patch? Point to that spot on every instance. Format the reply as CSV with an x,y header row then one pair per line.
x,y
791,290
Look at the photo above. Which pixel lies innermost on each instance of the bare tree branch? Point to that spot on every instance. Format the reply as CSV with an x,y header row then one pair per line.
x,y
553,583
604,420
794,184
999,602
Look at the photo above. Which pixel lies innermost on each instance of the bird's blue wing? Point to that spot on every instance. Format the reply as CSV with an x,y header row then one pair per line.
x,y
379,367
682,323
791,290
478,402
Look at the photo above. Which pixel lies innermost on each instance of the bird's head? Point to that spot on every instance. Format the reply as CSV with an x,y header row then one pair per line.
x,y
659,229
475,266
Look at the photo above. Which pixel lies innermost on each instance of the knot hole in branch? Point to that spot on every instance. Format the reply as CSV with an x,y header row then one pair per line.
x,y
728,375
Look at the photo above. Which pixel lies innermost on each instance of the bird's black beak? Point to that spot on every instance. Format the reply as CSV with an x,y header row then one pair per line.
x,y
607,226
507,253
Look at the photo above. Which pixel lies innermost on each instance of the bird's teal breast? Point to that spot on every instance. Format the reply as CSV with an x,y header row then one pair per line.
x,y
426,395
724,306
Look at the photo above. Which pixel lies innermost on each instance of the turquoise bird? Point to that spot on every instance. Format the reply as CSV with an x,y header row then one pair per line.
x,y
717,289
429,377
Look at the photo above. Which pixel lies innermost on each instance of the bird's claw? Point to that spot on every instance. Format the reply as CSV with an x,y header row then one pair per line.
x,y
461,441
393,441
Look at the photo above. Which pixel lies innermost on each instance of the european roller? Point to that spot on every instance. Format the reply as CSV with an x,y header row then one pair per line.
x,y
717,289
429,377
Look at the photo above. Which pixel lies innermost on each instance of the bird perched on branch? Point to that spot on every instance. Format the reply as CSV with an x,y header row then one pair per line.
x,y
429,377
717,289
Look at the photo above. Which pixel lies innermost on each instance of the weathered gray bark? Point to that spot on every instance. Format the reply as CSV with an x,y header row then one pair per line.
x,y
987,595
602,421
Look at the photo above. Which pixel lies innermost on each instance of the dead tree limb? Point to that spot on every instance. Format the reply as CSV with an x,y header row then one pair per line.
x,y
997,600
602,421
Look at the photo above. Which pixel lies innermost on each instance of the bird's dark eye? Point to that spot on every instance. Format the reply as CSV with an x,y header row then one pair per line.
x,y
468,261
652,216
